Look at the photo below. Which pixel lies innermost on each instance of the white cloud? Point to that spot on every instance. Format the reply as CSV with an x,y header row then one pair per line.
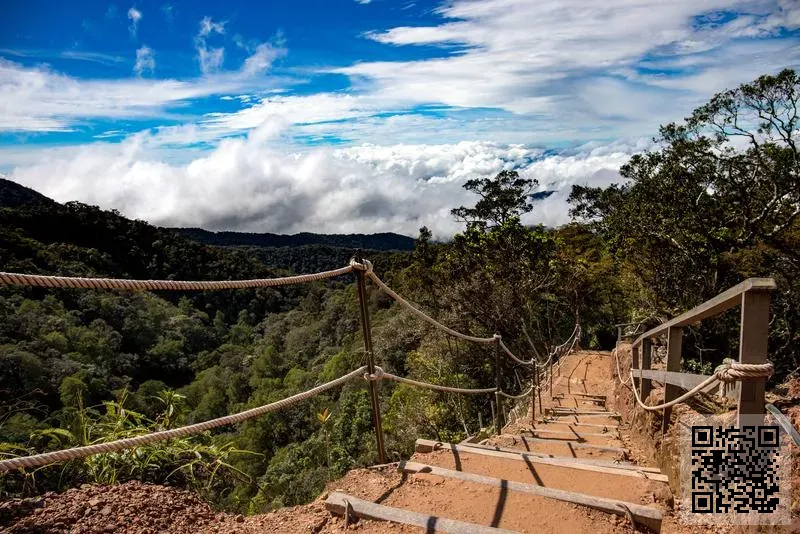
x,y
363,2
208,26
535,57
210,59
261,59
135,16
38,99
145,60
255,184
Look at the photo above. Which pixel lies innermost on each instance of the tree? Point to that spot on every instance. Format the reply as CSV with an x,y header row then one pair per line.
x,y
503,197
723,183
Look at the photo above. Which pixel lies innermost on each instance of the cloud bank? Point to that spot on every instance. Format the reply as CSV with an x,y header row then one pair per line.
x,y
254,184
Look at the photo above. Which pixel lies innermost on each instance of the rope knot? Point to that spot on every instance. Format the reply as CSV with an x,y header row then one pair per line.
x,y
377,375
365,265
497,338
732,371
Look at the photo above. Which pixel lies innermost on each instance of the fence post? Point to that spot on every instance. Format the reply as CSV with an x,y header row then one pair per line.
x,y
674,348
635,365
753,336
534,381
373,391
497,385
646,384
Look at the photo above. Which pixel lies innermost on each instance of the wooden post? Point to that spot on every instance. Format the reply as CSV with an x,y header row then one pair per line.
x,y
498,385
534,380
753,338
551,378
674,347
367,331
539,392
619,334
635,365
647,359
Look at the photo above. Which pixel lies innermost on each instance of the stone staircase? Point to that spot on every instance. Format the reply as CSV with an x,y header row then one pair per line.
x,y
567,471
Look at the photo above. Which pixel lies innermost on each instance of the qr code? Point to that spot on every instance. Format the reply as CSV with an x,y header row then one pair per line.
x,y
734,474
735,469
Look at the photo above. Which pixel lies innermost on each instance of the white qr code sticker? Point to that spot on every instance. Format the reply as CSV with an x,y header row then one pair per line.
x,y
736,473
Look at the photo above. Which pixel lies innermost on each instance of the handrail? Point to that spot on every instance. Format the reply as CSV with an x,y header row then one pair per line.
x,y
752,367
722,302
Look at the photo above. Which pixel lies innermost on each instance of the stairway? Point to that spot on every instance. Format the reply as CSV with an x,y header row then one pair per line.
x,y
566,472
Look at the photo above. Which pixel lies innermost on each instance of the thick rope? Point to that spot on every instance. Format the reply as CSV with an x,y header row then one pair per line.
x,y
511,354
367,268
517,397
14,279
619,372
380,374
155,437
730,371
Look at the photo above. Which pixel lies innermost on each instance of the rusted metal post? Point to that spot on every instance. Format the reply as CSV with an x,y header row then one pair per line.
x,y
674,347
753,336
367,331
647,359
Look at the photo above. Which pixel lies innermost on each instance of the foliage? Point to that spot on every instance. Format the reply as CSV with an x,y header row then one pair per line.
x,y
718,200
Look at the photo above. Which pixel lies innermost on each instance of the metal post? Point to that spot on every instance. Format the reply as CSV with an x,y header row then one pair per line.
x,y
674,347
373,390
754,332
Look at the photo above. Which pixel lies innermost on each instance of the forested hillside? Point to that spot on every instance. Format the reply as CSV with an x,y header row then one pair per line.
x,y
716,200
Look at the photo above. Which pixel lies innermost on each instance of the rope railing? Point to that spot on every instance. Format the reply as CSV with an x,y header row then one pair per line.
x,y
380,374
182,432
366,266
37,280
47,281
730,371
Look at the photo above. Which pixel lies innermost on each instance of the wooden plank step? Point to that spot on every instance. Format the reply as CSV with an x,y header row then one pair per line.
x,y
338,503
583,395
561,410
643,515
571,433
572,423
425,445
578,445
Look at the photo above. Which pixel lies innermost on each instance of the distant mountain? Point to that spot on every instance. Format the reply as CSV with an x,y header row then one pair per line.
x,y
14,195
382,241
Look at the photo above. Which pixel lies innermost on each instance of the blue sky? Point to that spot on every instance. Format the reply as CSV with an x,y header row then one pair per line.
x,y
346,115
